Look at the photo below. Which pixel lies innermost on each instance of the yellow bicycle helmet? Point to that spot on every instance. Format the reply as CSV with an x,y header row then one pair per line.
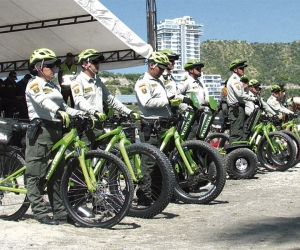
x,y
90,55
161,59
43,54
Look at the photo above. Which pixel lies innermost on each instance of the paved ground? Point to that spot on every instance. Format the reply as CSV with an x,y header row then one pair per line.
x,y
261,213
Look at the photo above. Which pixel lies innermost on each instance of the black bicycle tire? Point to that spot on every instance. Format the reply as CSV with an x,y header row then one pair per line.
x,y
11,167
269,164
220,179
162,199
296,140
245,154
71,209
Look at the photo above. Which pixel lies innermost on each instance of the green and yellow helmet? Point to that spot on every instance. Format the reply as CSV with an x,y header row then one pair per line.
x,y
161,59
43,54
170,54
275,88
245,79
253,83
192,63
237,63
90,55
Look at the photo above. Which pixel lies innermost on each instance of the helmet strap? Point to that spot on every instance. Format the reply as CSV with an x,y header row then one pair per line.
x,y
89,69
40,69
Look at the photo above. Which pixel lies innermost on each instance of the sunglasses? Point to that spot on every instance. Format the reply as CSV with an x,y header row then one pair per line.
x,y
95,62
50,65
198,68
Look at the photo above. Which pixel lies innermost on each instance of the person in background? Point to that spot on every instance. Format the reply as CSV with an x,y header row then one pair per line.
x,y
167,78
21,87
22,84
236,98
67,69
274,102
283,95
10,101
90,93
245,81
223,102
254,91
193,84
45,102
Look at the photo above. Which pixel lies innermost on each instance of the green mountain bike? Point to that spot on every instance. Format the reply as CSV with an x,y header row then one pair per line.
x,y
197,165
107,192
119,138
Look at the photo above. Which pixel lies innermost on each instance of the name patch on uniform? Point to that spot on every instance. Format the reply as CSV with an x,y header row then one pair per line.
x,y
154,85
47,90
195,87
166,81
87,90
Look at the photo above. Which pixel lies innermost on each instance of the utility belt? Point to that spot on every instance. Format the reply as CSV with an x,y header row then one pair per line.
x,y
51,124
37,123
235,108
151,126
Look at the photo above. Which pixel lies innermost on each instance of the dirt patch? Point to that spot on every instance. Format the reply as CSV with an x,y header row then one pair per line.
x,y
261,213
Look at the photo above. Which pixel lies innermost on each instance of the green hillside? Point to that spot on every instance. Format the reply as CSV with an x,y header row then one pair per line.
x,y
269,63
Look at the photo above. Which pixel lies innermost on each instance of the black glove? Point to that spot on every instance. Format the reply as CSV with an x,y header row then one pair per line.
x,y
187,100
256,102
295,115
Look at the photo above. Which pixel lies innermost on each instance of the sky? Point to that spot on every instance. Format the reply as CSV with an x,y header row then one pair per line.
x,y
261,21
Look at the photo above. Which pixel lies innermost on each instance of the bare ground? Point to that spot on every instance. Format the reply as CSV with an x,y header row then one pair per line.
x,y
261,213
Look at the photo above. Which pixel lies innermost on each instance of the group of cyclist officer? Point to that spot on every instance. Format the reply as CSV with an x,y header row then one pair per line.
x,y
157,95
242,96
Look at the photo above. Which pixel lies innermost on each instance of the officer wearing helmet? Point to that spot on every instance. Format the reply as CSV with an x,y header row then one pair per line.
x,y
274,103
168,79
153,103
150,91
192,84
44,102
254,91
236,98
283,95
245,81
89,93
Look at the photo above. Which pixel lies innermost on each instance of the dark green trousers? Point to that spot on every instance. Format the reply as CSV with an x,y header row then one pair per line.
x,y
236,125
38,152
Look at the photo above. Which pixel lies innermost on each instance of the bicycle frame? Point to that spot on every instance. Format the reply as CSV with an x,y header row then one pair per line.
x,y
292,126
61,146
118,136
186,156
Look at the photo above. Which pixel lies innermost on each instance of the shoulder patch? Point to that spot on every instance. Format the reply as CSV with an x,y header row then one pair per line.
x,y
34,87
142,85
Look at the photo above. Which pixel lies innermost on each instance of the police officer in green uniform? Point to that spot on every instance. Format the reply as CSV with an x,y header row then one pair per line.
x,y
275,104
153,102
254,91
236,98
89,93
193,84
45,102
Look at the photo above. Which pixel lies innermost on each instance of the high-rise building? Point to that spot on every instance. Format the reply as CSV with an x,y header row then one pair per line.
x,y
182,35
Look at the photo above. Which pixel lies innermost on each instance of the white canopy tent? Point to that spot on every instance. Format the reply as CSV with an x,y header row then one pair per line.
x,y
65,26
